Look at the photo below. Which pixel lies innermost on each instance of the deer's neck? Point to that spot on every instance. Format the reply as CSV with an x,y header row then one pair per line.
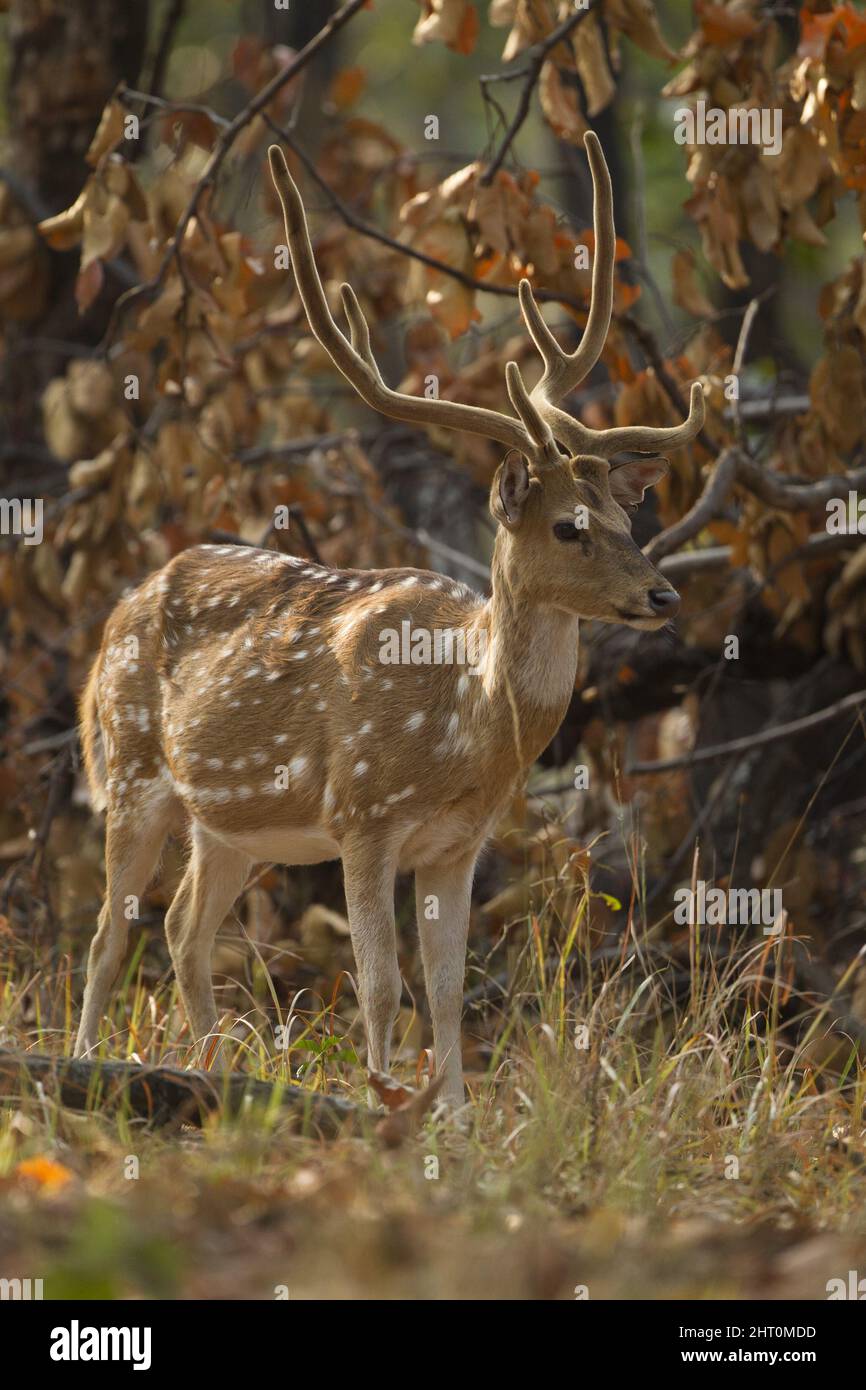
x,y
530,664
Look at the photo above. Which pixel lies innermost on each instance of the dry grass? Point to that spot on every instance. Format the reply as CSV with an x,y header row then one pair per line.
x,y
684,1151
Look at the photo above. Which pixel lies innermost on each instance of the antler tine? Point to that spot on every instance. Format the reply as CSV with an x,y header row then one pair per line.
x,y
536,427
354,358
639,438
548,347
649,439
359,329
563,370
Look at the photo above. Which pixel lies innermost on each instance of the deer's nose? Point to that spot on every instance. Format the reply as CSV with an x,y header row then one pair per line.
x,y
664,601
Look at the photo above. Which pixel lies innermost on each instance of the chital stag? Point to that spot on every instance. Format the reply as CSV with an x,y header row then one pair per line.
x,y
243,693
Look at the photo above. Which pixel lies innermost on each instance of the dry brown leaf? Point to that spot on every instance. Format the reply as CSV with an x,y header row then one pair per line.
x,y
63,231
803,228
799,167
637,19
686,286
560,105
593,65
725,26
391,1093
407,1112
346,87
717,217
837,390
453,22
109,133
760,206
530,22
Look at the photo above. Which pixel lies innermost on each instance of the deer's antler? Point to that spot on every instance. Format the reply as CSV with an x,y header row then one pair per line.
x,y
542,426
563,370
531,435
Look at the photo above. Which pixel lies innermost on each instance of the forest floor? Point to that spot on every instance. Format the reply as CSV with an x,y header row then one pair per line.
x,y
622,1141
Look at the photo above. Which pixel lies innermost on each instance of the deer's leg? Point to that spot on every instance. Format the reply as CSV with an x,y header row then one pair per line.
x,y
369,872
213,879
133,844
442,895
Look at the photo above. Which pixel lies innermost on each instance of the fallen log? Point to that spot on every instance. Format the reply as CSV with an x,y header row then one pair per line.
x,y
166,1095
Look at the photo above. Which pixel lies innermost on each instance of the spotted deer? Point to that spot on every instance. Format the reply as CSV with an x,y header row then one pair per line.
x,y
249,696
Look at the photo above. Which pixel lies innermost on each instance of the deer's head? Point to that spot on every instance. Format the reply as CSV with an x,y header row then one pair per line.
x,y
567,538
561,493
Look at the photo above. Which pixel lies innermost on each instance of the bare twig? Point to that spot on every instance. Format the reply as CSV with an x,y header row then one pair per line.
x,y
49,743
718,486
173,16
129,95
532,74
742,745
739,357
291,448
296,515
769,408
712,557
423,539
367,229
220,151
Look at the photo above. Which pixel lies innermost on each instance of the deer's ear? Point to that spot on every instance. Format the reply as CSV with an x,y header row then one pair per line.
x,y
629,481
510,490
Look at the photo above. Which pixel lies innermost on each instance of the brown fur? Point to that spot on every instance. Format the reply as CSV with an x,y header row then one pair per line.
x,y
91,741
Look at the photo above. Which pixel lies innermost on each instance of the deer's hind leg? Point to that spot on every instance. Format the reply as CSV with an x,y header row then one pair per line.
x,y
214,877
134,839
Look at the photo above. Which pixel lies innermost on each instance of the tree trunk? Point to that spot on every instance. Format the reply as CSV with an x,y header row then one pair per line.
x,y
165,1095
65,59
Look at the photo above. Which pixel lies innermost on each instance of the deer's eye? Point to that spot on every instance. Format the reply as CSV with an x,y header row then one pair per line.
x,y
567,531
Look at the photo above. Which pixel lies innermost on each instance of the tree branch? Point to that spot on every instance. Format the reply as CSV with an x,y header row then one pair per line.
x,y
221,149
717,487
367,229
796,494
733,467
742,745
173,16
533,72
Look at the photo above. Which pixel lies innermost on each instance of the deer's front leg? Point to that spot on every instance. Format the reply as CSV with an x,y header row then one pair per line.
x,y
442,895
369,871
